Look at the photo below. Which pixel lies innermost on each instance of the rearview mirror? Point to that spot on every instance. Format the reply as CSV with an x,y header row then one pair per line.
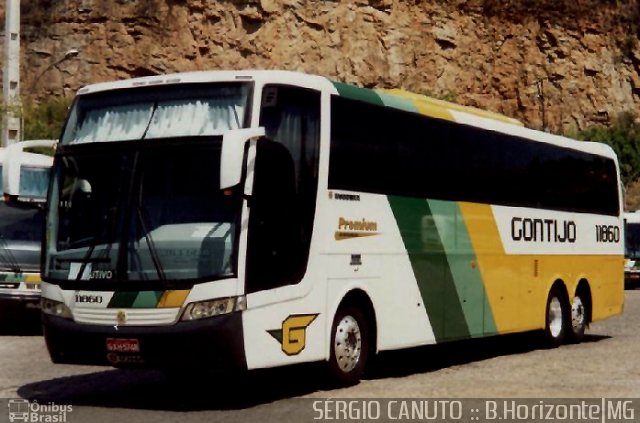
x,y
232,154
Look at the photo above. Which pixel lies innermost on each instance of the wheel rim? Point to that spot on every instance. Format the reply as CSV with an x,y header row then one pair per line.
x,y
577,314
348,344
555,317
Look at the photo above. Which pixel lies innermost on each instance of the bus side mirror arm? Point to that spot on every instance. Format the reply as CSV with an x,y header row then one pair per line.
x,y
232,155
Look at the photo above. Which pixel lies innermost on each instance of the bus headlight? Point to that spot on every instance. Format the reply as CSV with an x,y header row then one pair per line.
x,y
55,308
211,308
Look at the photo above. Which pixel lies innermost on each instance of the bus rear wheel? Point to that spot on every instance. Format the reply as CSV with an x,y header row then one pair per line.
x,y
555,329
579,318
349,346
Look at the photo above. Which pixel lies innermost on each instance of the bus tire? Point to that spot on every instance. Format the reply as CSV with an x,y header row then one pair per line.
x,y
556,318
579,317
349,346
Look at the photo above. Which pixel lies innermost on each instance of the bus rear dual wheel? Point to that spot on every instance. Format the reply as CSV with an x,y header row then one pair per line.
x,y
564,322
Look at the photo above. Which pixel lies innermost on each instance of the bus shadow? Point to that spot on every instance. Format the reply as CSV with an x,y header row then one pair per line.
x,y
435,357
20,322
152,390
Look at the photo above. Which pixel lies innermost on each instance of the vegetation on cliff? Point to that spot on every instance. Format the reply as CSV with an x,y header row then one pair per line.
x,y
45,120
623,135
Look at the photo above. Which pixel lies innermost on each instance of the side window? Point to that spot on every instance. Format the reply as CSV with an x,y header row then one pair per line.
x,y
291,117
388,151
281,225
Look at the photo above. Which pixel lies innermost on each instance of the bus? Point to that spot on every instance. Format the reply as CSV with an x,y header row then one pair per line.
x,y
253,219
632,249
25,179
18,410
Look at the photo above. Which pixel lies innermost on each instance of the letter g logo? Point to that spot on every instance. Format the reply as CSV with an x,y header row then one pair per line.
x,y
293,335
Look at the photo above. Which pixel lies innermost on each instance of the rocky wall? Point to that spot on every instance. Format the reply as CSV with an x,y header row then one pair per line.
x,y
553,64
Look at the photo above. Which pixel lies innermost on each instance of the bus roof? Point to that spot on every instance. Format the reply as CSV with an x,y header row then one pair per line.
x,y
436,103
632,217
266,76
417,103
387,97
29,159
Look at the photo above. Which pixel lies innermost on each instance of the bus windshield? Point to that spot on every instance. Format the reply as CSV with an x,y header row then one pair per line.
x,y
142,212
34,182
632,241
136,190
21,222
20,235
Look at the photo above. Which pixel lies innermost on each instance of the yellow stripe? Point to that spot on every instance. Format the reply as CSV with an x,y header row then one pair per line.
x,y
32,278
499,280
441,109
517,285
173,299
433,111
423,106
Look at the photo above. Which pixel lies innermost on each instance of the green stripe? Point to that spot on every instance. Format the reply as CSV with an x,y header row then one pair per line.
x,y
11,277
397,102
122,299
430,267
135,299
147,299
357,93
463,266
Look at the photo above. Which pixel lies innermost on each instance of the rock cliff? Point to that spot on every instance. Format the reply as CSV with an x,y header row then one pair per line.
x,y
555,64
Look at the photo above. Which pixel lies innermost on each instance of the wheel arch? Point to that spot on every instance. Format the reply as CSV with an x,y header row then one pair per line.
x,y
560,285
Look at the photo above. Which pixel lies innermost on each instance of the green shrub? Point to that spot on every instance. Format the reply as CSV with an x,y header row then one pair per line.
x,y
623,135
45,120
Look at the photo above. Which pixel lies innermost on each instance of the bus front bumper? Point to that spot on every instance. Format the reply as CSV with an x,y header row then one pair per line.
x,y
212,344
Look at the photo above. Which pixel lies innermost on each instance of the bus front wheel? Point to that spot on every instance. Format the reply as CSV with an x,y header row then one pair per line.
x,y
349,346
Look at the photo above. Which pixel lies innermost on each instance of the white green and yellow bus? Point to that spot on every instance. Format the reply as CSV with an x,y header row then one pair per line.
x,y
253,219
25,179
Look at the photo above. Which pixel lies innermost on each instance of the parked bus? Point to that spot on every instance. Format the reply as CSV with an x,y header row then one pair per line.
x,y
632,249
254,219
25,179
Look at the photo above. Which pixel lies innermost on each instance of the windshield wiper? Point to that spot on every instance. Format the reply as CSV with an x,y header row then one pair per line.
x,y
153,251
7,256
109,228
153,112
151,245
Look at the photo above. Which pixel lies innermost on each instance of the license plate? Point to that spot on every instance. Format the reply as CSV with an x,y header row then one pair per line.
x,y
123,345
